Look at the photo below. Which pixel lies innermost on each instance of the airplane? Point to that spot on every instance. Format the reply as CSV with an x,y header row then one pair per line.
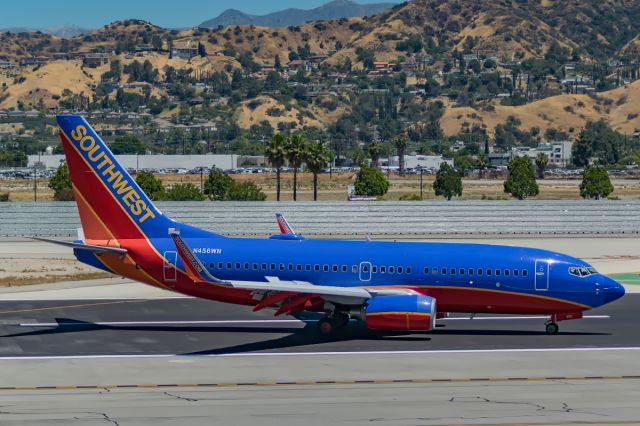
x,y
389,286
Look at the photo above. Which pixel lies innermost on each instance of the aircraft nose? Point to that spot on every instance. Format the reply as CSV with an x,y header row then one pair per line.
x,y
612,290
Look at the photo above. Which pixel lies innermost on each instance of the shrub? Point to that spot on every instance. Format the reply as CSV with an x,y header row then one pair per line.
x,y
245,191
410,197
371,182
151,185
4,197
185,192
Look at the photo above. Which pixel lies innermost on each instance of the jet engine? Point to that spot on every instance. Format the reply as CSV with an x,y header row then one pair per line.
x,y
402,312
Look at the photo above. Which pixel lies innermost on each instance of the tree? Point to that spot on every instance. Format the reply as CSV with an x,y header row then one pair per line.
x,y
375,151
151,185
595,183
60,183
521,182
448,182
245,191
217,185
201,50
597,140
295,149
541,163
184,192
316,157
128,144
371,182
401,142
276,155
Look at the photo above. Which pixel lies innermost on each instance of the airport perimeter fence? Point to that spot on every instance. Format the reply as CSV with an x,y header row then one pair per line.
x,y
356,219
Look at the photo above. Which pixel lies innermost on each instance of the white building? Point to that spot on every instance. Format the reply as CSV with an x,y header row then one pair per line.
x,y
141,162
559,153
415,161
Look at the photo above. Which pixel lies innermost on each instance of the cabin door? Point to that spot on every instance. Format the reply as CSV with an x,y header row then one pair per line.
x,y
541,275
169,268
365,271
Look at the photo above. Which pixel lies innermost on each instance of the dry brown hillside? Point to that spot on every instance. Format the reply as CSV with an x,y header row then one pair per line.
x,y
620,107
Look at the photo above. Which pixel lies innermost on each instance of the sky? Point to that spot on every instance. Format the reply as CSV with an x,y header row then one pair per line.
x,y
166,13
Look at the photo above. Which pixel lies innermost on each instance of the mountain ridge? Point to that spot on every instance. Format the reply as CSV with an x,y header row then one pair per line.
x,y
335,9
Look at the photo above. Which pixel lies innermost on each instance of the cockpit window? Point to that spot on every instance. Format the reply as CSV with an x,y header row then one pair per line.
x,y
582,272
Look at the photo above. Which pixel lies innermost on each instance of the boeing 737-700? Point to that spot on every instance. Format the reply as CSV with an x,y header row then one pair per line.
x,y
390,286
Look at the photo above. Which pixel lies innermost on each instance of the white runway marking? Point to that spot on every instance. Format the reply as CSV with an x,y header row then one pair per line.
x,y
266,321
306,354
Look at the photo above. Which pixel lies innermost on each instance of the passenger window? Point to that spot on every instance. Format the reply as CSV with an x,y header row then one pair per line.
x,y
291,266
255,266
391,269
515,272
299,267
374,269
246,266
444,271
498,271
228,265
426,270
282,266
264,266
344,268
470,271
461,271
524,272
325,268
408,270
479,271
435,270
365,268
307,267
237,265
383,269
212,265
335,268
399,269
316,268
220,265
506,272
354,268
488,272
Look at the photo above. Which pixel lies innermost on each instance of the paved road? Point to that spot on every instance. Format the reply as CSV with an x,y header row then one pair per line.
x,y
192,326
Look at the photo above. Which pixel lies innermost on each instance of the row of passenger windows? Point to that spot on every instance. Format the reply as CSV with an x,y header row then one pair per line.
x,y
317,268
365,268
476,271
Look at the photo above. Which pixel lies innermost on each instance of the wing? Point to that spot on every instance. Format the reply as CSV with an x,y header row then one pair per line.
x,y
291,296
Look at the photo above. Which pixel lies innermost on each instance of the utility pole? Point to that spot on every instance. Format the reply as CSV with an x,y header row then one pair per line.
x,y
421,171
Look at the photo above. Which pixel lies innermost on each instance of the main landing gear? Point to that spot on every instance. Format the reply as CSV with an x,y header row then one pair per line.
x,y
329,324
551,327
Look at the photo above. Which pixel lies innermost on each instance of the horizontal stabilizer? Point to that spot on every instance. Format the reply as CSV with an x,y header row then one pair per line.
x,y
192,265
80,246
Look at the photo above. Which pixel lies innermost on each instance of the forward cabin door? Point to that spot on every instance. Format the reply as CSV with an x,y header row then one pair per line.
x,y
541,275
169,268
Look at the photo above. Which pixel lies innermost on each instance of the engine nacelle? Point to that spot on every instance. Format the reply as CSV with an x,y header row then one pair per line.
x,y
410,312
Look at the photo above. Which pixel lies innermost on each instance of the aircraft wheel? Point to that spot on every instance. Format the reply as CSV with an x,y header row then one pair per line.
x,y
341,320
326,326
552,328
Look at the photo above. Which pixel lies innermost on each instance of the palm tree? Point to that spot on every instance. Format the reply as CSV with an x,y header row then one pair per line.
x,y
375,150
316,157
541,163
401,142
276,154
295,149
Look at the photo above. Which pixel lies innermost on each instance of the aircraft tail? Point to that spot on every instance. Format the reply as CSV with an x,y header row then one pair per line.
x,y
110,202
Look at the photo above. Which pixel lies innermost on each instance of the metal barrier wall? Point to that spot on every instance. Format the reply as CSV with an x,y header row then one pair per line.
x,y
407,219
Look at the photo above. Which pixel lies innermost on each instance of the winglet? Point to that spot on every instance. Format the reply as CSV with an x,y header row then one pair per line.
x,y
284,226
193,267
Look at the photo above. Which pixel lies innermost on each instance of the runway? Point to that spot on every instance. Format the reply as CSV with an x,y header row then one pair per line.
x,y
179,326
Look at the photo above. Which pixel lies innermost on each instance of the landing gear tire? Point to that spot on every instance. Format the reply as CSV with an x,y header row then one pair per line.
x,y
341,320
552,328
326,326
